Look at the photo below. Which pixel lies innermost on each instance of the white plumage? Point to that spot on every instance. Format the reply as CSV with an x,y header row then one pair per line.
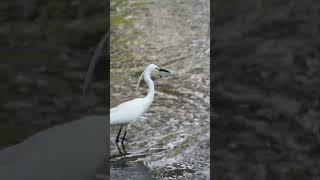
x,y
128,112
131,111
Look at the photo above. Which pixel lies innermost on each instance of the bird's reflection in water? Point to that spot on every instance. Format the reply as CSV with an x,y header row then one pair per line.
x,y
122,152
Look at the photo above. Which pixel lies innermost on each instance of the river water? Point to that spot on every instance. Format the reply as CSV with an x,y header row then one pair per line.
x,y
173,142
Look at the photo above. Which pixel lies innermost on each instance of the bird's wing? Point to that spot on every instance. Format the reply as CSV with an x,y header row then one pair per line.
x,y
135,103
127,111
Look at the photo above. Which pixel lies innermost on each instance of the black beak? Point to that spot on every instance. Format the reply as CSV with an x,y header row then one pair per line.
x,y
160,69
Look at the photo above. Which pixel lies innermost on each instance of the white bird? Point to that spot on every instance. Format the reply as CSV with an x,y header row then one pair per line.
x,y
131,111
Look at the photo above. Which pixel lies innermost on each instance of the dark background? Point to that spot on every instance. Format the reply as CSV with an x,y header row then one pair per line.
x,y
45,50
266,89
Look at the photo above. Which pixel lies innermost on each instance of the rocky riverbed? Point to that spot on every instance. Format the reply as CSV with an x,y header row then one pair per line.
x,y
174,35
45,52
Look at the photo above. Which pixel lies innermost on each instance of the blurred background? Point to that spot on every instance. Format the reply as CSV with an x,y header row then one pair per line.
x,y
45,50
266,122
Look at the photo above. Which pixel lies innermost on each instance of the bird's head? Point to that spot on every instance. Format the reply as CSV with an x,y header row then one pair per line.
x,y
148,70
152,67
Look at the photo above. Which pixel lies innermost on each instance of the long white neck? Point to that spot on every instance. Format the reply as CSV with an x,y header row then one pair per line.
x,y
150,84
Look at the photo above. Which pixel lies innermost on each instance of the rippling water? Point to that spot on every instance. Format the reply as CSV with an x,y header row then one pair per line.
x,y
174,35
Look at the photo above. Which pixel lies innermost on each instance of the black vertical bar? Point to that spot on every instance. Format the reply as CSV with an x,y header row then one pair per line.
x,y
108,87
211,93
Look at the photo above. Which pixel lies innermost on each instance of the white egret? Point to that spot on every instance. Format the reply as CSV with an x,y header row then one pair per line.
x,y
131,111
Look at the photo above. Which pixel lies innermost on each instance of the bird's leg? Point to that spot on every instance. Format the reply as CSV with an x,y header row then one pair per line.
x,y
123,148
117,139
124,135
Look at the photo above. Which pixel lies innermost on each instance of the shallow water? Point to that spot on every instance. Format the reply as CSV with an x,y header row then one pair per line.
x,y
173,142
126,168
